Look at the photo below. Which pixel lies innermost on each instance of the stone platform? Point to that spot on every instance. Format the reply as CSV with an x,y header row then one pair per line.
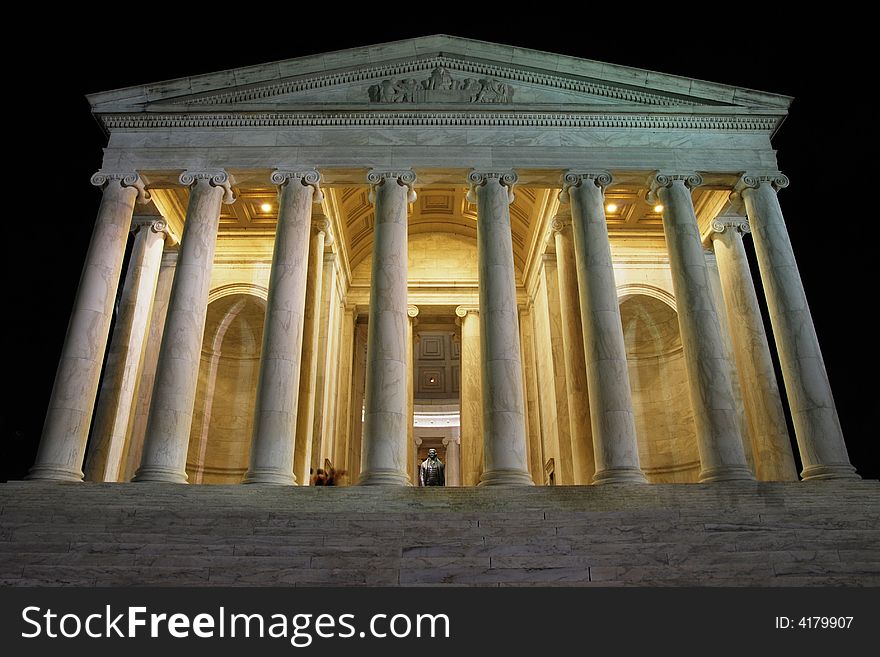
x,y
755,534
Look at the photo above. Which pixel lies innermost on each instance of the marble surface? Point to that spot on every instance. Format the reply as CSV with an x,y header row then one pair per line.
x,y
611,412
305,415
719,436
765,417
66,428
168,426
471,396
272,450
574,356
505,449
384,458
135,441
715,287
817,426
119,383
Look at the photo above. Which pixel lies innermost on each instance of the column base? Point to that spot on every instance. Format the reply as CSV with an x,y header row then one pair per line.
x,y
384,478
829,471
505,478
619,476
53,473
726,473
269,476
160,474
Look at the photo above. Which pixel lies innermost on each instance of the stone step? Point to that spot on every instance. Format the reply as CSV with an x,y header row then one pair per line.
x,y
810,534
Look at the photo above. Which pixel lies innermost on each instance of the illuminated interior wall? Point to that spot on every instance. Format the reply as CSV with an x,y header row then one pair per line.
x,y
664,418
220,439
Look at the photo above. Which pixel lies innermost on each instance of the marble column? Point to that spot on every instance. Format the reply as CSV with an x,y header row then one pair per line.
x,y
504,425
615,447
384,444
471,391
168,425
573,345
358,384
305,416
765,418
324,395
343,414
816,424
272,447
530,387
719,436
116,397
66,428
714,277
453,460
413,313
135,443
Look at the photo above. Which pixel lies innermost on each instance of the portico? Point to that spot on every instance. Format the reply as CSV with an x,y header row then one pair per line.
x,y
546,216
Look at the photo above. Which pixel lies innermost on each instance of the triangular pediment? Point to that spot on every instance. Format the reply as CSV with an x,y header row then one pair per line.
x,y
436,72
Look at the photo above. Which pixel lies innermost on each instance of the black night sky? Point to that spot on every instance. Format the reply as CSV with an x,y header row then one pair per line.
x,y
56,146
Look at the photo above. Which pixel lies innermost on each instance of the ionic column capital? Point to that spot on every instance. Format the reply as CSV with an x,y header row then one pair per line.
x,y
154,224
731,225
125,179
412,311
404,177
481,178
462,311
559,223
307,178
216,178
600,179
322,225
451,441
662,180
776,180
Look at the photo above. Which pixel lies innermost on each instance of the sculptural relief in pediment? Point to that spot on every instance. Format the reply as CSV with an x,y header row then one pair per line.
x,y
441,87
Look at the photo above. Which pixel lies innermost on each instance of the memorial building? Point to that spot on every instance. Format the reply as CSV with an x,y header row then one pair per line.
x,y
531,263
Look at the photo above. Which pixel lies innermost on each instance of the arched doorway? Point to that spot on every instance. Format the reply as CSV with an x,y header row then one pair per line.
x,y
658,376
220,439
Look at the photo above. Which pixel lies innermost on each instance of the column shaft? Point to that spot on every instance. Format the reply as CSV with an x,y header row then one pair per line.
x,y
135,444
615,447
384,449
471,391
116,397
343,415
765,417
305,415
453,461
168,426
714,277
271,458
719,437
325,366
575,359
532,396
66,428
412,312
504,427
359,377
816,424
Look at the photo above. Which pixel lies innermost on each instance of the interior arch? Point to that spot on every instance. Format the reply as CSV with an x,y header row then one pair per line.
x,y
661,403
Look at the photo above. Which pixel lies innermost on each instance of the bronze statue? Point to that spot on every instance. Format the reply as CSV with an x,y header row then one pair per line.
x,y
432,470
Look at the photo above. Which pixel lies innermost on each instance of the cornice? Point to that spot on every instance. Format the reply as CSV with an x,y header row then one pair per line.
x,y
439,119
261,91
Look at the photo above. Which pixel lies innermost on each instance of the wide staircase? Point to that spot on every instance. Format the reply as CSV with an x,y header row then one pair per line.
x,y
761,534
